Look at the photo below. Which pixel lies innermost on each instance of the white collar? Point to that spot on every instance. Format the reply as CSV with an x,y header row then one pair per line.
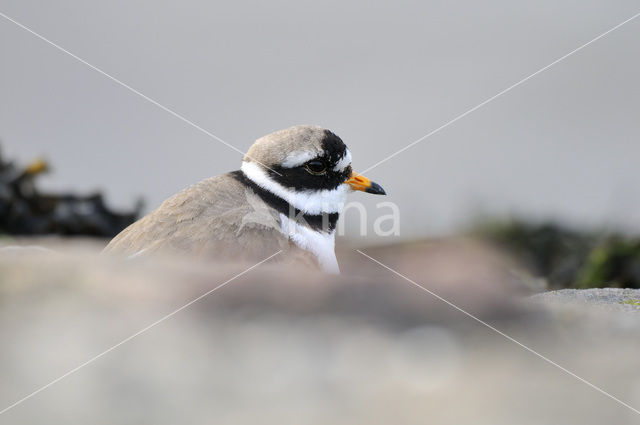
x,y
308,201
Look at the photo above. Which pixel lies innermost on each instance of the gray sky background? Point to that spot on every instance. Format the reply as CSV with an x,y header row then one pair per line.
x,y
563,145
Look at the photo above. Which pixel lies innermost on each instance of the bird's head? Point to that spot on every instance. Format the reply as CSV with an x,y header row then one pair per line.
x,y
307,163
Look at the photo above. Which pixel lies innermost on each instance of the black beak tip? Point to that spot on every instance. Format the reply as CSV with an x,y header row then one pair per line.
x,y
375,189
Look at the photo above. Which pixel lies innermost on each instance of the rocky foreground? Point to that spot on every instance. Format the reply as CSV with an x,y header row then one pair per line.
x,y
275,346
611,299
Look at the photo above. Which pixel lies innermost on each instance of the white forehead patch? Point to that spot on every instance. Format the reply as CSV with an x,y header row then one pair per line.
x,y
296,159
344,162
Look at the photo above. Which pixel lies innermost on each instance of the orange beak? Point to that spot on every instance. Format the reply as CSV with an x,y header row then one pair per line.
x,y
358,182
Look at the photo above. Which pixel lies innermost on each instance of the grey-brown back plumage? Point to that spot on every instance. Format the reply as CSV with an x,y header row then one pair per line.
x,y
217,218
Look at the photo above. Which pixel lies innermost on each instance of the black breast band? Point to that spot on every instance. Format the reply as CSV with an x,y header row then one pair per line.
x,y
320,222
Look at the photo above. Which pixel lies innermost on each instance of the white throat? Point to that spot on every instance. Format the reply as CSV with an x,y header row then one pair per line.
x,y
308,201
320,244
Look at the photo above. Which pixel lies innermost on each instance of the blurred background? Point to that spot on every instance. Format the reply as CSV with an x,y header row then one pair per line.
x,y
547,170
536,190
561,146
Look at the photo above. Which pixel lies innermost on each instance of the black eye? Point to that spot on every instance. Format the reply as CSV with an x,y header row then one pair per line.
x,y
316,166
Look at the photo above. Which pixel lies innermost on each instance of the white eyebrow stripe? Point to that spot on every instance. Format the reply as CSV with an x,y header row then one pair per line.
x,y
344,162
296,159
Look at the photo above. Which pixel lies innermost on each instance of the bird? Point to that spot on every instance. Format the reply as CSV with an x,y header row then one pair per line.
x,y
286,197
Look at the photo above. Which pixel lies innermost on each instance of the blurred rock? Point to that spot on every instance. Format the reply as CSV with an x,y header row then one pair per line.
x,y
281,346
468,272
612,299
24,210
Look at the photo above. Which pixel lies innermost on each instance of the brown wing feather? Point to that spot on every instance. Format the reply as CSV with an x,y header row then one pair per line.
x,y
217,217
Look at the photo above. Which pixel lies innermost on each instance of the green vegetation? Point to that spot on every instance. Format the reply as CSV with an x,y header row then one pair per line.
x,y
616,262
568,258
